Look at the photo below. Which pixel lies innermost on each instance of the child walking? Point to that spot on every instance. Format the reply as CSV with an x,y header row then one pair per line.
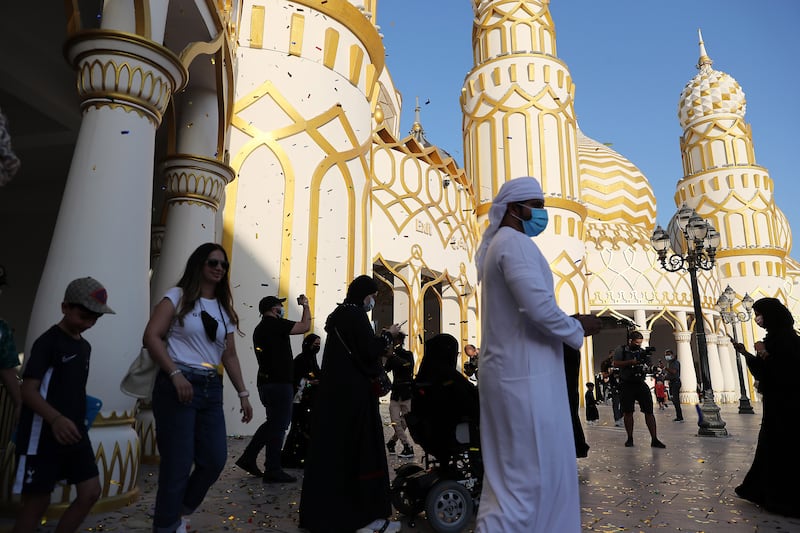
x,y
52,437
661,393
592,415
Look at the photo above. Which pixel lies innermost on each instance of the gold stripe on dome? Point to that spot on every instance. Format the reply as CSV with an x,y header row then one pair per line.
x,y
356,59
298,23
331,47
566,204
736,252
257,16
354,20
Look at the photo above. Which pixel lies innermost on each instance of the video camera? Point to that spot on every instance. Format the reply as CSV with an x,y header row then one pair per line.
x,y
642,357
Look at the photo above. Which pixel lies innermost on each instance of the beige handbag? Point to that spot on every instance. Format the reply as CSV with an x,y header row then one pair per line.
x,y
141,376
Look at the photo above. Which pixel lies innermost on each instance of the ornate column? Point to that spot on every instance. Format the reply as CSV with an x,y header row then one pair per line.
x,y
683,350
103,227
728,363
194,187
714,366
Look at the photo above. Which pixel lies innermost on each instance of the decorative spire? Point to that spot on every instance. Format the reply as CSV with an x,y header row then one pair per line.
x,y
704,59
416,129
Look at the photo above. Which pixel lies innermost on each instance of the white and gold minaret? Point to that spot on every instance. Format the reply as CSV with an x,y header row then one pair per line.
x,y
519,120
723,183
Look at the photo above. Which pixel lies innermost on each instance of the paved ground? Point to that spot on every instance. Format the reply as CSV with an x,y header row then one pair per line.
x,y
686,487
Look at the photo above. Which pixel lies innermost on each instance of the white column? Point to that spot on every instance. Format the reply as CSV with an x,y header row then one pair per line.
x,y
728,363
715,368
103,227
683,349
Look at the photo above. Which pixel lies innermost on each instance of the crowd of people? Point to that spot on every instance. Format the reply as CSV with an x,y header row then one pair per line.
x,y
530,480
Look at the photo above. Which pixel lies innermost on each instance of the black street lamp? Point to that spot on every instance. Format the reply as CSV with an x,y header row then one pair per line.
x,y
729,316
701,241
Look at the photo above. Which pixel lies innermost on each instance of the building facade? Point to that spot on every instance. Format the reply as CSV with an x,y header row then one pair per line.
x,y
273,127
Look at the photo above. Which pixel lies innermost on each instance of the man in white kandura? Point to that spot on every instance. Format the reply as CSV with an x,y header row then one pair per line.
x,y
530,482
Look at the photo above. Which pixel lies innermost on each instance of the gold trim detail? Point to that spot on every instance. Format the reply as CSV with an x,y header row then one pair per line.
x,y
192,50
331,47
347,14
118,68
257,27
296,34
195,178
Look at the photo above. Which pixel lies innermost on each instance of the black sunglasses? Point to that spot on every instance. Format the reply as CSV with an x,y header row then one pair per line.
x,y
213,263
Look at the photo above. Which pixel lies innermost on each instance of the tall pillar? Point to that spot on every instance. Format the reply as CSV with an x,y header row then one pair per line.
x,y
683,350
728,364
714,366
125,83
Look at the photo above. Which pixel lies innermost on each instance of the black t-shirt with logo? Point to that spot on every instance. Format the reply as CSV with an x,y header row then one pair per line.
x,y
273,350
61,363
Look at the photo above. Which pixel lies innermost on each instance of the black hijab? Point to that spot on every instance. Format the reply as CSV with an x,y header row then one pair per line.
x,y
776,316
439,362
359,289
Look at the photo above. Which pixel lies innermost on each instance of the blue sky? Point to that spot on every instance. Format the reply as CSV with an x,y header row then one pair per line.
x,y
630,60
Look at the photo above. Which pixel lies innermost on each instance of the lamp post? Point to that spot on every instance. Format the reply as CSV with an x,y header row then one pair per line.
x,y
701,241
729,316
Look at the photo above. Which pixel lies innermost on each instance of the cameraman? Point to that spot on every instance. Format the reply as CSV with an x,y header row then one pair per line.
x,y
611,378
632,360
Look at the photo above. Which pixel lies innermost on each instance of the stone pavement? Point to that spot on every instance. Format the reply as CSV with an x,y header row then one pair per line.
x,y
686,487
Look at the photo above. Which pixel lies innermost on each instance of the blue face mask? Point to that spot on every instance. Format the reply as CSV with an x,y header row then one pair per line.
x,y
536,224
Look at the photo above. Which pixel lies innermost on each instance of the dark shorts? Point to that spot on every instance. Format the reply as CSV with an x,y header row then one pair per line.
x,y
38,474
635,392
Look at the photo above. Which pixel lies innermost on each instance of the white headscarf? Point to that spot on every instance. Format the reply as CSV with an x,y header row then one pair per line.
x,y
516,190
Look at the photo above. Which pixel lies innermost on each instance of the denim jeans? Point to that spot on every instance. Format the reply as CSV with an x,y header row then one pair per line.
x,y
277,399
188,435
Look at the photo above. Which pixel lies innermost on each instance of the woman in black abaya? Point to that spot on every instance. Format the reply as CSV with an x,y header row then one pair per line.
x,y
306,381
346,481
772,481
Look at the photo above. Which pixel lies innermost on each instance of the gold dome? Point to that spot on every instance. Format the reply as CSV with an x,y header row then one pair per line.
x,y
613,189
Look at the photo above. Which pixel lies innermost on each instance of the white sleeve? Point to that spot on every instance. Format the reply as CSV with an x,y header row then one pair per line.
x,y
530,281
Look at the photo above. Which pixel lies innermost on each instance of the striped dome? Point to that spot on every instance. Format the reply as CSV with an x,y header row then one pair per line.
x,y
613,189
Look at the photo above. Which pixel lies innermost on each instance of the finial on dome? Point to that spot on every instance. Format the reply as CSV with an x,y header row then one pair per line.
x,y
416,129
704,59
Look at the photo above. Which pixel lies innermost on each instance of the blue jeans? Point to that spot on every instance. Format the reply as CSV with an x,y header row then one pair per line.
x,y
277,400
187,435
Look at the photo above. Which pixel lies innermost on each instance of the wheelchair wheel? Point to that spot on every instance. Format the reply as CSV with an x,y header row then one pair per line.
x,y
448,507
404,498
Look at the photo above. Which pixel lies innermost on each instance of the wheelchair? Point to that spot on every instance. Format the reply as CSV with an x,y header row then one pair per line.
x,y
447,485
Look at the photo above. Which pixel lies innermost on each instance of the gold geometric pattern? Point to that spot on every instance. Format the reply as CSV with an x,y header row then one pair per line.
x,y
710,92
439,193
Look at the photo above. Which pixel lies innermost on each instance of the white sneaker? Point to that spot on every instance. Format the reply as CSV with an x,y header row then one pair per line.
x,y
184,527
380,526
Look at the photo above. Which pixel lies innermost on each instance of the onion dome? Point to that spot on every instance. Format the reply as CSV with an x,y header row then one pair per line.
x,y
612,188
711,92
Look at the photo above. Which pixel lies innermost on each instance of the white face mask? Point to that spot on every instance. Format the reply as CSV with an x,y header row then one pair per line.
x,y
668,357
369,303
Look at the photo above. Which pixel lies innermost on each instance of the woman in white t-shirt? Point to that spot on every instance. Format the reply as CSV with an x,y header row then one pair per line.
x,y
190,336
